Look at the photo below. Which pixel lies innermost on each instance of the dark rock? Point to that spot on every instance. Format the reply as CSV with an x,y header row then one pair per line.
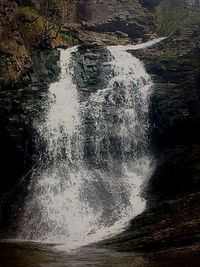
x,y
172,224
19,107
121,34
173,193
127,16
91,71
175,117
150,3
45,67
131,29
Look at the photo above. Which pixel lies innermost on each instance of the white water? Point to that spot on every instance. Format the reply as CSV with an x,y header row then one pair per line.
x,y
142,45
72,201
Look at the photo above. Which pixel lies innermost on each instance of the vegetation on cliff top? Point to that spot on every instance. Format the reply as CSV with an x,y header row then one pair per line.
x,y
39,24
173,16
43,27
22,29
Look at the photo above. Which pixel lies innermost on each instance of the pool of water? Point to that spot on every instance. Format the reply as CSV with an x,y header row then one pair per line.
x,y
26,254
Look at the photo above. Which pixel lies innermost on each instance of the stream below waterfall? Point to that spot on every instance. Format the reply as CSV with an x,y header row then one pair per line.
x,y
27,254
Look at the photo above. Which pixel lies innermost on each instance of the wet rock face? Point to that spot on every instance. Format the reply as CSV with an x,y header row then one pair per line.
x,y
171,226
133,29
173,192
19,107
45,68
175,111
175,117
92,70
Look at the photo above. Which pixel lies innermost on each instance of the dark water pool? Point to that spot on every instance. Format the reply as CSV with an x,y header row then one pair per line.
x,y
16,254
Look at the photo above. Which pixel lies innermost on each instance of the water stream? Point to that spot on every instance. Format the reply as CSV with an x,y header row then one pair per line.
x,y
72,200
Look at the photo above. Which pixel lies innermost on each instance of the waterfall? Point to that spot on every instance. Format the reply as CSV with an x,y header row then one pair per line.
x,y
73,198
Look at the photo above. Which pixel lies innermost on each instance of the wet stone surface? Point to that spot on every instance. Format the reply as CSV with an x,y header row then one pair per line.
x,y
16,254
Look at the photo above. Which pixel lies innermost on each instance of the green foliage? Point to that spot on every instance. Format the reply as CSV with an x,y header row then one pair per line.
x,y
44,26
173,15
170,14
27,11
70,40
32,20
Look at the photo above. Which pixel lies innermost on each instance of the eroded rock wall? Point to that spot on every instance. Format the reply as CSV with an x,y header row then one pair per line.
x,y
19,108
128,16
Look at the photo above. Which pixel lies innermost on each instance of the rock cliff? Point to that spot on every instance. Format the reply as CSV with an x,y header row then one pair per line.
x,y
174,66
107,22
172,220
19,108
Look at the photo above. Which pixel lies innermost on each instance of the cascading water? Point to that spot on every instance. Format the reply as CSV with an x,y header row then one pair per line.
x,y
72,200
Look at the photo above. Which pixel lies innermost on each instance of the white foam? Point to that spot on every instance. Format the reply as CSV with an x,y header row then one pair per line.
x,y
71,201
